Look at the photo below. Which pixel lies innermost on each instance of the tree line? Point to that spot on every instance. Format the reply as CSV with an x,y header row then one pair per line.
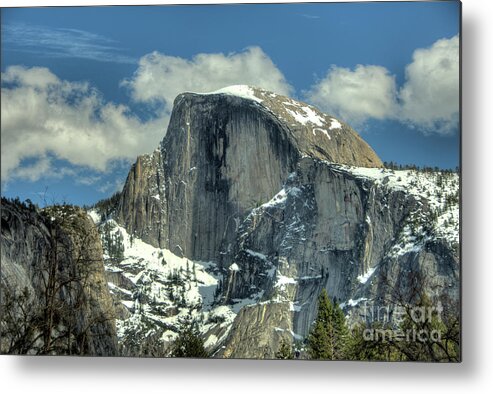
x,y
418,337
395,166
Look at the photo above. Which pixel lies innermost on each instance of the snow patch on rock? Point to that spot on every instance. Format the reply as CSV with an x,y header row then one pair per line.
x,y
243,91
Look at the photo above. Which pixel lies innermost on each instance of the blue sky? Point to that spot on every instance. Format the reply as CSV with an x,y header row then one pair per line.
x,y
78,103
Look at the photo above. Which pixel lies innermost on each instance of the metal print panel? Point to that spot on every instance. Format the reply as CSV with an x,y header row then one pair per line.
x,y
265,181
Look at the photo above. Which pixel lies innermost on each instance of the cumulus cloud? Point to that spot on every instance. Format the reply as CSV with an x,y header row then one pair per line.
x,y
160,78
35,171
428,99
44,116
356,95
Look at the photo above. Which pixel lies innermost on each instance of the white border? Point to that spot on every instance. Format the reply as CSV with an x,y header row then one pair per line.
x,y
87,375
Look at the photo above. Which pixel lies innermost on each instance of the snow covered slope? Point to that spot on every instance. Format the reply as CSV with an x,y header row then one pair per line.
x,y
359,220
159,291
267,201
438,190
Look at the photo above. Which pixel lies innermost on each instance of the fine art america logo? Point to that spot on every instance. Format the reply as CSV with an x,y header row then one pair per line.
x,y
402,323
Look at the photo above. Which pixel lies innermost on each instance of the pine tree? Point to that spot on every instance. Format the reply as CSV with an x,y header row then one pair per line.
x,y
390,343
341,332
285,351
319,342
329,335
363,347
189,343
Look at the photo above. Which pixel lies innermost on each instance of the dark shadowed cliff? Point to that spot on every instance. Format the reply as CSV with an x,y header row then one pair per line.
x,y
55,297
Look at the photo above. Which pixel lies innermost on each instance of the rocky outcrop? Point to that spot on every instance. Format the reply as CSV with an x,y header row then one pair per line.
x,y
142,205
285,201
330,228
224,154
55,296
258,330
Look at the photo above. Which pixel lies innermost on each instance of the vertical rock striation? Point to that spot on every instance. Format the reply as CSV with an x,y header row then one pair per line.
x,y
286,201
55,297
223,155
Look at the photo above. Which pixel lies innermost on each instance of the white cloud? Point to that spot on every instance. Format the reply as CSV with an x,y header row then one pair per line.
x,y
63,43
87,180
430,96
366,92
160,78
43,117
428,100
35,77
112,186
34,171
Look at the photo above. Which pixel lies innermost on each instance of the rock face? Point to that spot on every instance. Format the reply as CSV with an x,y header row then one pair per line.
x,y
332,228
142,204
287,201
223,155
54,291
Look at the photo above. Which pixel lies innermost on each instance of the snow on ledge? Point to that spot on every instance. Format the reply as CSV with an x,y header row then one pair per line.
x,y
243,91
364,278
95,216
352,302
335,124
306,115
261,256
283,280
